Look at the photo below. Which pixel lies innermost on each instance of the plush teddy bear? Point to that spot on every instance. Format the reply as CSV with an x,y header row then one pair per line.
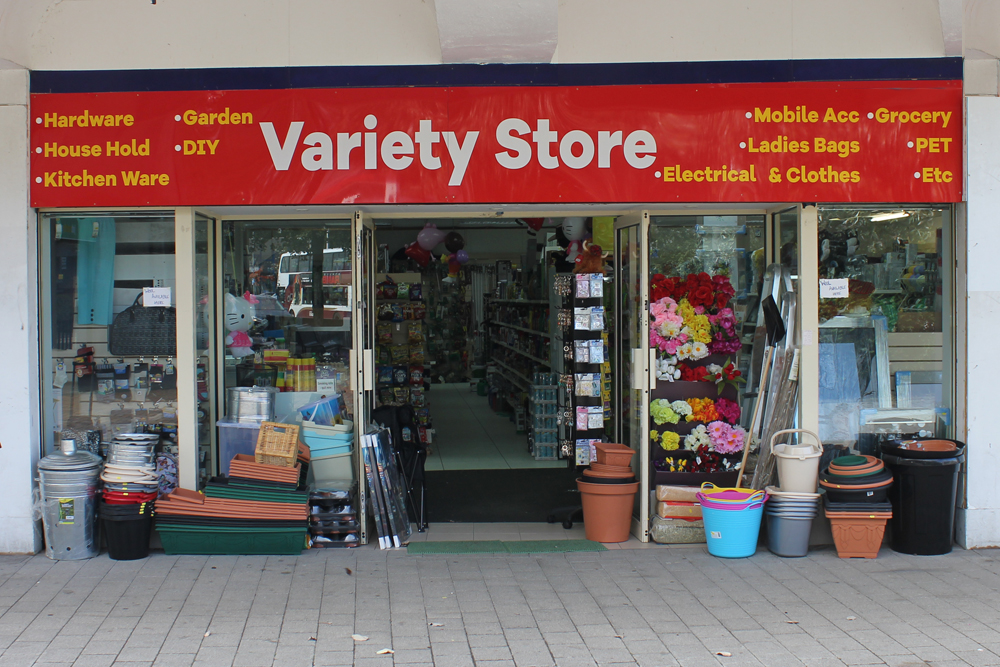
x,y
239,320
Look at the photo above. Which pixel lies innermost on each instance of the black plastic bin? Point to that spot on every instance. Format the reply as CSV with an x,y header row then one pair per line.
x,y
126,532
923,503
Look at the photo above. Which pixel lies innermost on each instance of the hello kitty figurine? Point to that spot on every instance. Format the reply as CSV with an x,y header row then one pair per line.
x,y
239,320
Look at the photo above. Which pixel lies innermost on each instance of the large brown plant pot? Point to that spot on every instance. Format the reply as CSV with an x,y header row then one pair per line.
x,y
858,535
607,510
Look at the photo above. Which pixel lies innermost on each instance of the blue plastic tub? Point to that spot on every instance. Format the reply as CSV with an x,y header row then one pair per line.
x,y
330,450
732,533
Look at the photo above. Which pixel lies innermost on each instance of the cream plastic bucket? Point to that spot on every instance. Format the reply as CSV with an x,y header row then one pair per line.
x,y
798,465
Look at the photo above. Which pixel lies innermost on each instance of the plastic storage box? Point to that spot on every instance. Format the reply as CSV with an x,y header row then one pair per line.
x,y
326,469
326,440
235,438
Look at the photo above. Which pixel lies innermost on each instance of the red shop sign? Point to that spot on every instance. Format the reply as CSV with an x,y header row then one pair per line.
x,y
835,142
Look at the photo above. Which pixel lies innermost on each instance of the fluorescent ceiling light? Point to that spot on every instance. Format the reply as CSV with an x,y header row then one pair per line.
x,y
880,217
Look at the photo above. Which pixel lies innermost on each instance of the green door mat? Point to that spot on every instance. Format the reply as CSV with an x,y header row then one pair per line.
x,y
498,547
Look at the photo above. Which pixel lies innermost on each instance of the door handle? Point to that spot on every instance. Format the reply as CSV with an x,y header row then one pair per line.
x,y
369,369
640,369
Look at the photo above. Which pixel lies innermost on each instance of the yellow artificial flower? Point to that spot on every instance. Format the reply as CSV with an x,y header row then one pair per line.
x,y
670,441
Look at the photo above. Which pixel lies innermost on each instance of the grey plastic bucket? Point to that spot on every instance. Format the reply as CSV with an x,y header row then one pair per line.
x,y
787,536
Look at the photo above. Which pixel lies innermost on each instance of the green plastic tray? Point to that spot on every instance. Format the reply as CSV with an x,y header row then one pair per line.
x,y
292,498
214,540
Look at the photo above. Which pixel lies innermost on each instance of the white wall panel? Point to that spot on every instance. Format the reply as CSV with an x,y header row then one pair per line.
x,y
676,30
136,34
19,426
982,516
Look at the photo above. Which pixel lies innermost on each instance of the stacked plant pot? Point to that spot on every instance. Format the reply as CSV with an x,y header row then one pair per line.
x,y
608,489
130,485
857,504
794,503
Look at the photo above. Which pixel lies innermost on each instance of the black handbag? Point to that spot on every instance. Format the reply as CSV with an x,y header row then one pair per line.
x,y
138,330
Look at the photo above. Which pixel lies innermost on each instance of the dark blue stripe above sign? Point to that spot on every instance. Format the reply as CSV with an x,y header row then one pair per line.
x,y
402,76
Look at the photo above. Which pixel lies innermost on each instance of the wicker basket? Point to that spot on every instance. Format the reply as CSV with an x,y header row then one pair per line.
x,y
277,444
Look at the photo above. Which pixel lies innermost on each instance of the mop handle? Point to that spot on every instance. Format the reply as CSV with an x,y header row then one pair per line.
x,y
758,408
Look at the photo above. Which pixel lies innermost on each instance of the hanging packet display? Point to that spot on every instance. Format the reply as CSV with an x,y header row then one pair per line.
x,y
597,318
581,351
596,351
595,417
403,291
583,286
581,319
596,285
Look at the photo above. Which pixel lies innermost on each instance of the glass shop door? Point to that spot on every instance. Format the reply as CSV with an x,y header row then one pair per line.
x,y
632,358
363,351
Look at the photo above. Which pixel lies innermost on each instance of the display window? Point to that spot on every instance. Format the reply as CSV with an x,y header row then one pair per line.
x,y
885,324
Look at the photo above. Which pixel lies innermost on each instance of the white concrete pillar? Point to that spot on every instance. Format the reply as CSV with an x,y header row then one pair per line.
x,y
979,522
19,375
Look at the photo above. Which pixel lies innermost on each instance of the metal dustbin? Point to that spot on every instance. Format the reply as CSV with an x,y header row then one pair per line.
x,y
68,487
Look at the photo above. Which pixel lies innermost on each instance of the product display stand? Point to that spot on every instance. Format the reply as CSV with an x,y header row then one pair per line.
x,y
585,350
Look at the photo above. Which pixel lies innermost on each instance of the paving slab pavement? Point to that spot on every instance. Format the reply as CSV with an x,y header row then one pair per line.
x,y
658,606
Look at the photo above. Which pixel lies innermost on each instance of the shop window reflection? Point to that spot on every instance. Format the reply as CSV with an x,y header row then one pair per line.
x,y
882,345
280,330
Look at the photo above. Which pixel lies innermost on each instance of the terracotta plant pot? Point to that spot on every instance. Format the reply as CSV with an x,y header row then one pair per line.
x,y
607,510
606,468
858,535
614,454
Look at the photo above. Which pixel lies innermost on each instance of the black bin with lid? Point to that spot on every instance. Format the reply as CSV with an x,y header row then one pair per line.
x,y
923,493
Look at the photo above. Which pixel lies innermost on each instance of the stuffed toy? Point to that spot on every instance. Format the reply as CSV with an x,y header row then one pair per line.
x,y
239,320
590,260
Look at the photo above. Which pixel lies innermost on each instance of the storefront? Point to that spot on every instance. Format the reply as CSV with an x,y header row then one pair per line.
x,y
205,197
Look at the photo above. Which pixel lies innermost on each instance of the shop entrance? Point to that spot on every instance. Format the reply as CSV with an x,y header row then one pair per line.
x,y
462,337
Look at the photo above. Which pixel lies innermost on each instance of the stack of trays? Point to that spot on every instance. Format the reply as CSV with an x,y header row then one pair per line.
x,y
333,520
856,503
256,510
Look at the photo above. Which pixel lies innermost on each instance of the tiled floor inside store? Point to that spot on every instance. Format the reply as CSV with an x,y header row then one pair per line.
x,y
658,606
468,435
510,532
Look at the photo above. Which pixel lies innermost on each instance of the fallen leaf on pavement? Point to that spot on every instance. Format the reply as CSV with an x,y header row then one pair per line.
x,y
385,651
359,638
208,633
724,654
436,625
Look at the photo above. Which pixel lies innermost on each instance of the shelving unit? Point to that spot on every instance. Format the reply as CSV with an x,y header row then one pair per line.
x,y
536,332
512,375
541,361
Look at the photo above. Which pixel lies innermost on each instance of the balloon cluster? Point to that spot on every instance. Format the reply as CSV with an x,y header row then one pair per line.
x,y
429,237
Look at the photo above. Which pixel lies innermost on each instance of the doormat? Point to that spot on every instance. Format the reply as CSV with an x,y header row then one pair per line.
x,y
485,496
457,547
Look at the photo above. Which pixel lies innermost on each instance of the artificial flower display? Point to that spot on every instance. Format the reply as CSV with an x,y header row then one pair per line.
x,y
725,439
689,319
728,410
697,438
662,413
702,410
670,441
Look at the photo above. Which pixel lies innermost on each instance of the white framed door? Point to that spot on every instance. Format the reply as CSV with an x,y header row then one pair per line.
x,y
632,354
363,349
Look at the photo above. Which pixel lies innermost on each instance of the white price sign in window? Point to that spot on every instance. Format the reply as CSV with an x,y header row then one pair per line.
x,y
833,288
153,297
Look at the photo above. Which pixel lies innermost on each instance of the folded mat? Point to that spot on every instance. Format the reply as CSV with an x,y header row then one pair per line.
x,y
232,508
248,481
244,465
220,489
179,520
